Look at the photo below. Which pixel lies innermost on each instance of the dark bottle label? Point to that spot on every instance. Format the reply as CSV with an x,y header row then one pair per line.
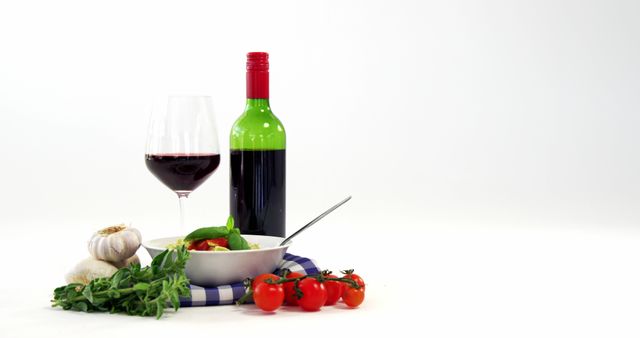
x,y
257,188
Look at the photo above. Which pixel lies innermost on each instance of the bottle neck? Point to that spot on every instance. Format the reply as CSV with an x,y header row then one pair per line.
x,y
258,84
258,106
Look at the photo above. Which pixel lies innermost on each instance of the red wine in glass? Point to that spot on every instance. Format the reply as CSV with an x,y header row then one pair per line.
x,y
182,172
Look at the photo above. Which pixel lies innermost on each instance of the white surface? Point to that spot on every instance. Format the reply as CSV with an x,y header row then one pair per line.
x,y
501,135
487,282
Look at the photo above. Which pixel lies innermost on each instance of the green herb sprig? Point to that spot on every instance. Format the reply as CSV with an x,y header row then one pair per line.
x,y
132,290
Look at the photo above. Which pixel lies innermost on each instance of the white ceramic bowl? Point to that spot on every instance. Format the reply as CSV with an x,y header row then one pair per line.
x,y
213,268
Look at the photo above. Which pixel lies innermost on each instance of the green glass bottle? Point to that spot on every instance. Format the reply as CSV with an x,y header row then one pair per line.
x,y
258,142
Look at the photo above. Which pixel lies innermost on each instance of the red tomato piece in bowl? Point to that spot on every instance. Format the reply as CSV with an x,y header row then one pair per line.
x,y
218,242
206,244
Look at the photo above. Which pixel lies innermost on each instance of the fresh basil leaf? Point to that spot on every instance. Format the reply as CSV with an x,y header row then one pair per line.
x,y
207,233
237,242
230,223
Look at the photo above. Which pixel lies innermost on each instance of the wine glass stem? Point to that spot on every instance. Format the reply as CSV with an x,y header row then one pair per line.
x,y
182,200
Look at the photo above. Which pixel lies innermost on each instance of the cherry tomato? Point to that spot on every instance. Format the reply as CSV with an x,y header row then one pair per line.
x,y
289,292
352,296
218,241
314,294
261,278
334,290
356,278
268,297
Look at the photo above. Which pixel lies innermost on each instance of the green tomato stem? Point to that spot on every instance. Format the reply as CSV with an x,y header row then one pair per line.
x,y
318,277
245,297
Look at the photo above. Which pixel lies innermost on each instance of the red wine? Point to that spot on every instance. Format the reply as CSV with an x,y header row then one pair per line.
x,y
257,188
181,172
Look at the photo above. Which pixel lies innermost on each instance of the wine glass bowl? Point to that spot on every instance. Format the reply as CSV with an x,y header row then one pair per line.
x,y
182,148
182,173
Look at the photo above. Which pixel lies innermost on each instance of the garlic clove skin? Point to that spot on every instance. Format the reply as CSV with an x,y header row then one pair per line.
x,y
115,243
89,269
129,261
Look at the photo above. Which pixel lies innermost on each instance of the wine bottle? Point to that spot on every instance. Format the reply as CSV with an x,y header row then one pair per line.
x,y
258,142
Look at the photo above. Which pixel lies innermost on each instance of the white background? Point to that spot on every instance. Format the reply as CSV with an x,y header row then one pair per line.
x,y
490,146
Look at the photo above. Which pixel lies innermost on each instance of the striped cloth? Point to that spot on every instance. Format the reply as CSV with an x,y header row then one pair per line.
x,y
229,294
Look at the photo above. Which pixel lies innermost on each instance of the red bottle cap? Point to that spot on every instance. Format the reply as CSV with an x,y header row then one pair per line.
x,y
258,61
257,75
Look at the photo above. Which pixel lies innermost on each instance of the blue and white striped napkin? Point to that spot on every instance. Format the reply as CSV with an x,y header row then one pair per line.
x,y
229,294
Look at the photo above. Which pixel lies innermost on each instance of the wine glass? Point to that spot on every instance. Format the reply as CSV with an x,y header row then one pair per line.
x,y
182,145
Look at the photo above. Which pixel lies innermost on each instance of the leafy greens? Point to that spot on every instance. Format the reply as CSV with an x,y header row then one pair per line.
x,y
132,290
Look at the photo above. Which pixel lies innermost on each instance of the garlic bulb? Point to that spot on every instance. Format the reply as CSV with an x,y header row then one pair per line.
x,y
90,269
115,243
131,260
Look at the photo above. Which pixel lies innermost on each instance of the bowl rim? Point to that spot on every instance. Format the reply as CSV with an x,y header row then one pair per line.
x,y
147,245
